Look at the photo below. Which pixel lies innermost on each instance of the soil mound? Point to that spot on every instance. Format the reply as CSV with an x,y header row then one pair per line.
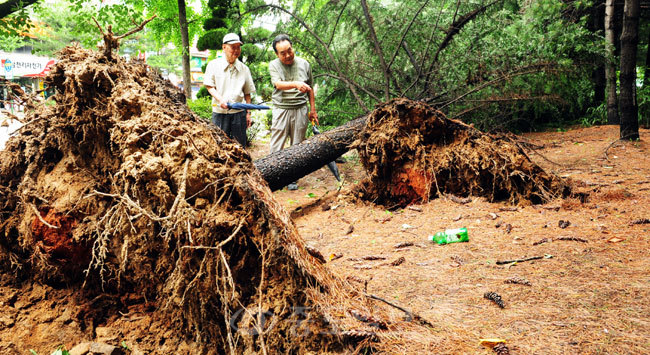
x,y
412,153
152,224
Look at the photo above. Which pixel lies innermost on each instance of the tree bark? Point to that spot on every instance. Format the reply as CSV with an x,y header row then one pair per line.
x,y
288,165
9,7
610,73
629,41
597,24
646,72
182,21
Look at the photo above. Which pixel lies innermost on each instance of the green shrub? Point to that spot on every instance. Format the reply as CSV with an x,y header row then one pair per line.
x,y
268,118
203,92
252,132
595,115
202,107
643,100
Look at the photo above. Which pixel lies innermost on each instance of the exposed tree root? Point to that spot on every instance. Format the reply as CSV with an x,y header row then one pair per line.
x,y
120,193
413,153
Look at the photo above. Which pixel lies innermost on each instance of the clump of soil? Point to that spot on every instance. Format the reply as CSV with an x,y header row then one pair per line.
x,y
412,153
116,192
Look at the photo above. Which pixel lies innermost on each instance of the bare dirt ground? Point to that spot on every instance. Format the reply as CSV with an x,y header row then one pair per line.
x,y
588,294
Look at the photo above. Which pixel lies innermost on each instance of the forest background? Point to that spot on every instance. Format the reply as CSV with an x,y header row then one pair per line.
x,y
508,65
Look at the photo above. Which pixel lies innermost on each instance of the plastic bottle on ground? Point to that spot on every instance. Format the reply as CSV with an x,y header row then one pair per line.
x,y
450,236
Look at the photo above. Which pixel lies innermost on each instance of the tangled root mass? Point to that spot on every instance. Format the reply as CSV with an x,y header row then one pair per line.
x,y
412,152
116,190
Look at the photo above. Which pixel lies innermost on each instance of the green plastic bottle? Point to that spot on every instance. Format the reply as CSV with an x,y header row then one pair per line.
x,y
450,236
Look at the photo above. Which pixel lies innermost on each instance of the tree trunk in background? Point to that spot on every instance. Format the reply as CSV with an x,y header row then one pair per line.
x,y
288,165
646,76
629,42
610,73
182,21
599,75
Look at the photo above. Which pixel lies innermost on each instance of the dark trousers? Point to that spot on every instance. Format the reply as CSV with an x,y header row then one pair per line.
x,y
233,124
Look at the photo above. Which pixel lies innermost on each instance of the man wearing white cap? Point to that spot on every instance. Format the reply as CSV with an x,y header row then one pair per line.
x,y
228,80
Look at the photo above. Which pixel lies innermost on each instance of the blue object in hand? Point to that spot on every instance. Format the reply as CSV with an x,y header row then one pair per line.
x,y
245,106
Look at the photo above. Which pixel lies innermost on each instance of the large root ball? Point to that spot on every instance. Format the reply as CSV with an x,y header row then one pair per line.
x,y
412,152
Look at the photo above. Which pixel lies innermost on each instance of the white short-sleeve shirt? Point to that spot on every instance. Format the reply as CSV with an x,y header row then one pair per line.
x,y
232,82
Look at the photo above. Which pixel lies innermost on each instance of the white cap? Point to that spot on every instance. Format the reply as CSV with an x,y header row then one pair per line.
x,y
231,38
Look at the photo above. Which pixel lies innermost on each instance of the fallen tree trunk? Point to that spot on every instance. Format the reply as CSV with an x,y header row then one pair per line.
x,y
288,165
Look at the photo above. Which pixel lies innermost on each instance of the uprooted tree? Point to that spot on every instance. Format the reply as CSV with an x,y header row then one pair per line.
x,y
412,152
118,192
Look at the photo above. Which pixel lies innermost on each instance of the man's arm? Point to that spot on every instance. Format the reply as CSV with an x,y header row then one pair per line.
x,y
249,121
288,85
313,116
213,92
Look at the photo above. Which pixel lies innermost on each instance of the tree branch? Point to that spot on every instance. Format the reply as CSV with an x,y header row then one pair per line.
x,y
325,46
378,51
113,42
344,79
137,29
411,57
11,6
529,69
426,51
336,24
454,29
401,41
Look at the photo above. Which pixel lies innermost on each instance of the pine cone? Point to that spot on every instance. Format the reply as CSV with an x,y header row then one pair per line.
x,y
518,281
399,261
541,241
356,336
315,253
366,318
501,349
494,297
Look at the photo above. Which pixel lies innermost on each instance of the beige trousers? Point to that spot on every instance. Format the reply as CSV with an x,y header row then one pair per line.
x,y
288,123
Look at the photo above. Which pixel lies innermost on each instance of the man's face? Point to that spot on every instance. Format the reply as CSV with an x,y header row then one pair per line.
x,y
231,51
284,51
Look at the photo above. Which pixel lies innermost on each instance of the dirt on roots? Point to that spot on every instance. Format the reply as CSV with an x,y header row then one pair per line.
x,y
412,153
127,218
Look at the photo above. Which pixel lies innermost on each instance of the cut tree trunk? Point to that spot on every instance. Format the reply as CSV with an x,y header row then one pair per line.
x,y
627,100
612,99
287,165
597,24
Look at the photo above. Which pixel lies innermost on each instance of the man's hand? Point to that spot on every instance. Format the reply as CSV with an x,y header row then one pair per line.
x,y
249,121
302,87
223,105
313,117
